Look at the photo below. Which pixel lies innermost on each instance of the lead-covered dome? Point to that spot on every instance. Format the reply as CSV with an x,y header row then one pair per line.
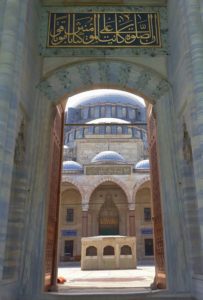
x,y
105,96
108,157
105,103
142,165
72,167
108,121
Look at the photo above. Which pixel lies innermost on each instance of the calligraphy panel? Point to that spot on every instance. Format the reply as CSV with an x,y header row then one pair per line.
x,y
108,170
104,30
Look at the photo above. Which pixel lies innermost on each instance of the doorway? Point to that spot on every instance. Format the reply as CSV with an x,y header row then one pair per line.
x,y
86,214
108,217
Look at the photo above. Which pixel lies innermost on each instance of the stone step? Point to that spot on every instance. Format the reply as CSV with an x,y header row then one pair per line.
x,y
115,295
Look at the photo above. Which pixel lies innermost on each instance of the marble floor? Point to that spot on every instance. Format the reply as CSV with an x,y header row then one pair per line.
x,y
139,278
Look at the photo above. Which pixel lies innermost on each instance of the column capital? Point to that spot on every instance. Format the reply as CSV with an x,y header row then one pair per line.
x,y
85,206
131,206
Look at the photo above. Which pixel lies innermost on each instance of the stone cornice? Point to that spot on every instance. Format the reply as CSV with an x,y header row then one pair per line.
x,y
104,2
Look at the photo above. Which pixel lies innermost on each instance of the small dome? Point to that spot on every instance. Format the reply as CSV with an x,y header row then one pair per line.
x,y
72,166
108,157
143,165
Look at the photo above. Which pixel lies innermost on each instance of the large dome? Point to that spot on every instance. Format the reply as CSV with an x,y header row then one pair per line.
x,y
72,166
108,157
108,121
105,96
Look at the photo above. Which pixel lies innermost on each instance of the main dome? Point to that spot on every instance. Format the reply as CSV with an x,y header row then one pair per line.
x,y
105,96
108,157
108,121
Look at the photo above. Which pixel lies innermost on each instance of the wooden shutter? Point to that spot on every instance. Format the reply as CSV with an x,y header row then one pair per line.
x,y
53,202
160,273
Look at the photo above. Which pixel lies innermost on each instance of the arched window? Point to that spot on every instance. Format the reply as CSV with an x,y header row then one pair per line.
x,y
96,112
96,130
91,251
131,113
126,250
129,131
124,112
119,112
108,111
108,129
103,110
113,111
108,250
84,113
92,111
119,130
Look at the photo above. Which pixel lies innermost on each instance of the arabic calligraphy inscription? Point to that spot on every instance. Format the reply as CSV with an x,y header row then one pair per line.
x,y
104,30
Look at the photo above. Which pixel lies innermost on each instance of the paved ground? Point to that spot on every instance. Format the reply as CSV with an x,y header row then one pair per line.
x,y
139,278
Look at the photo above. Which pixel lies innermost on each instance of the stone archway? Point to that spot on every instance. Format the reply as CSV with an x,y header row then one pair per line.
x,y
83,76
70,225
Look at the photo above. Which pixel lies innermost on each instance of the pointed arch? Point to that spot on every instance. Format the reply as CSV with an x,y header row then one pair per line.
x,y
138,184
71,180
104,179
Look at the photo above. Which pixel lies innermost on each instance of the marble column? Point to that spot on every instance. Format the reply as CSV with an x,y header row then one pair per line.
x,y
131,215
84,223
131,219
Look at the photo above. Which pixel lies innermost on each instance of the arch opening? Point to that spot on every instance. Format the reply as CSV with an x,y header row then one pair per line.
x,y
88,132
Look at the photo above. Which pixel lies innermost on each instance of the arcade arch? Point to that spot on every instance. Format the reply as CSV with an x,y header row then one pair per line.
x,y
144,222
70,213
108,210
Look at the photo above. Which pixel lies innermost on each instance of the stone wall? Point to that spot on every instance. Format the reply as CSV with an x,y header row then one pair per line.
x,y
20,68
185,73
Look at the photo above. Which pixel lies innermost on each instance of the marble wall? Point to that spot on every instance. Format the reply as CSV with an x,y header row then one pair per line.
x,y
185,73
19,74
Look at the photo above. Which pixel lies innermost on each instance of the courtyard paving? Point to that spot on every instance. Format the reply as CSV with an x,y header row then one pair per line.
x,y
139,278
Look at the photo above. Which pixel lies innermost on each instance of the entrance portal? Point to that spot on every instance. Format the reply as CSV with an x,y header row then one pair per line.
x,y
162,91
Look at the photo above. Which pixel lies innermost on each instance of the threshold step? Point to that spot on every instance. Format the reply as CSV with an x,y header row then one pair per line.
x,y
115,295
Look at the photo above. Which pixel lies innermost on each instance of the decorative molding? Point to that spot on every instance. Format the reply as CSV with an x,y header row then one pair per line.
x,y
108,73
